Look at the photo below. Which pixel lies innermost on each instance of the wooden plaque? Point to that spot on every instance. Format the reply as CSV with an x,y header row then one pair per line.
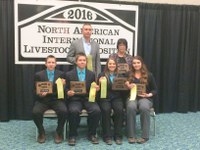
x,y
141,88
123,68
78,87
44,87
119,84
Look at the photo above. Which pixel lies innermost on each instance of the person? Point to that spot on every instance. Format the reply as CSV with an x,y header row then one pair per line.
x,y
77,102
113,102
122,56
143,102
45,101
87,46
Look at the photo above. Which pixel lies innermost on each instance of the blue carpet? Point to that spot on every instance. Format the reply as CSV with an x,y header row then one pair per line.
x,y
174,131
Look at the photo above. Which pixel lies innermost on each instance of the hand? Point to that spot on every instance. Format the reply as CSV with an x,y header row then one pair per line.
x,y
70,93
130,86
146,95
43,94
63,81
100,79
97,88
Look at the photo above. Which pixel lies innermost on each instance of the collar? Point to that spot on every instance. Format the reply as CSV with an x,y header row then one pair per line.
x,y
79,71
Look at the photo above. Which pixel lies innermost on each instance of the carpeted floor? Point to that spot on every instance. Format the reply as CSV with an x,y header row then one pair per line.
x,y
174,131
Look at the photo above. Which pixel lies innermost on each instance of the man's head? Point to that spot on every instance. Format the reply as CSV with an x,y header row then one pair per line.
x,y
81,60
50,62
87,30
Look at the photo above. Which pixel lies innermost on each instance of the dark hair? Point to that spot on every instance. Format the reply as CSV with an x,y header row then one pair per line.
x,y
50,56
80,54
122,41
144,71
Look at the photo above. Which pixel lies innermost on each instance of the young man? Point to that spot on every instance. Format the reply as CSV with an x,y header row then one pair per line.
x,y
77,102
45,101
87,46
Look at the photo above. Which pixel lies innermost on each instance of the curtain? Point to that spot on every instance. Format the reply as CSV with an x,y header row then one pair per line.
x,y
168,40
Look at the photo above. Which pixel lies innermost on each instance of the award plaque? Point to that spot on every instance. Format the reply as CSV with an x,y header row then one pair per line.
x,y
141,88
123,68
44,87
78,87
119,84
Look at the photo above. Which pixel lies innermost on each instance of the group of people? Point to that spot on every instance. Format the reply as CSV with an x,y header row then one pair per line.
x,y
116,102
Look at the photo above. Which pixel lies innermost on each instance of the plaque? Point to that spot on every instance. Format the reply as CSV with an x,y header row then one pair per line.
x,y
141,88
78,87
44,87
123,68
119,84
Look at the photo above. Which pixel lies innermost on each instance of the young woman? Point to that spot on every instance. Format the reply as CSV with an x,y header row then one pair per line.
x,y
113,102
140,74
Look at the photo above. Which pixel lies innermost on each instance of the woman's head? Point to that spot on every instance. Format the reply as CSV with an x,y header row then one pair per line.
x,y
111,65
122,45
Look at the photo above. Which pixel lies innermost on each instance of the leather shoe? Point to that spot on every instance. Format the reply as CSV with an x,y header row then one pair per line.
x,y
132,140
93,139
72,141
118,141
58,138
142,140
108,141
41,138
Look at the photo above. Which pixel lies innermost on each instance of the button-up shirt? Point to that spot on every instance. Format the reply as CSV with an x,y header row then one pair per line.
x,y
81,74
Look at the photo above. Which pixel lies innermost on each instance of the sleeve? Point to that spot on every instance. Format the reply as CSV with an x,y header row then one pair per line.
x,y
98,61
71,54
67,86
152,85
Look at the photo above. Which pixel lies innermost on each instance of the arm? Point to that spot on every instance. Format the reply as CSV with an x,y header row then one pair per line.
x,y
98,62
71,54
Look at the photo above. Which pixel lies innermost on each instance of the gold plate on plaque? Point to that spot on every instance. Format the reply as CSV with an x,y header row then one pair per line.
x,y
141,88
119,84
123,68
44,87
78,87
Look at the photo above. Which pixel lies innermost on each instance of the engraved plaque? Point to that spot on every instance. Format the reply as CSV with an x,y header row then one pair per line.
x,y
44,87
141,88
119,84
123,68
78,87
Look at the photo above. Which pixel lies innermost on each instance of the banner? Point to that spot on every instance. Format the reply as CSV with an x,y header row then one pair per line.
x,y
48,27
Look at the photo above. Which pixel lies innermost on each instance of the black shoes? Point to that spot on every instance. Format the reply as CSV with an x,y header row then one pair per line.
x,y
118,140
108,141
142,140
93,139
41,138
58,138
72,141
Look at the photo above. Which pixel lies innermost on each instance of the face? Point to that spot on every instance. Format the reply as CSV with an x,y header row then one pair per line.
x,y
122,48
137,65
111,65
81,62
50,64
87,31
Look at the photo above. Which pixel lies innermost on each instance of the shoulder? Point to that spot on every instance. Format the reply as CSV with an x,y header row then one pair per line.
x,y
72,72
114,55
77,41
40,73
101,74
94,43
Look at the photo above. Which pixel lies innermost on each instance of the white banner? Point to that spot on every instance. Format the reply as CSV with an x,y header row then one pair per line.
x,y
47,27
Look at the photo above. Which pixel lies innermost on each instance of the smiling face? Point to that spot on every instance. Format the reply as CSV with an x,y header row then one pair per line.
x,y
111,65
81,62
50,63
137,64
